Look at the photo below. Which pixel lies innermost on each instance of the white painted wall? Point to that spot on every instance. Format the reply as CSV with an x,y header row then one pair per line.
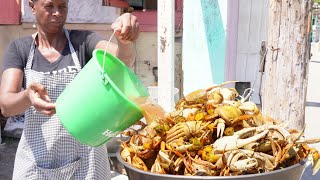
x,y
80,11
204,36
192,63
223,4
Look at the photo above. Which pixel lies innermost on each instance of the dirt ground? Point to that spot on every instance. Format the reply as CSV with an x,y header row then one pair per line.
x,y
8,150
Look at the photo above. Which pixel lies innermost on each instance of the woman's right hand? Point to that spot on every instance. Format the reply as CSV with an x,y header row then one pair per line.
x,y
39,99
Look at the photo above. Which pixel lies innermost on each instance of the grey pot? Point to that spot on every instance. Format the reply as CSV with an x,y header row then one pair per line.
x,y
290,173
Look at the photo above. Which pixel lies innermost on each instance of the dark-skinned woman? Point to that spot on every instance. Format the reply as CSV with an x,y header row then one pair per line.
x,y
43,64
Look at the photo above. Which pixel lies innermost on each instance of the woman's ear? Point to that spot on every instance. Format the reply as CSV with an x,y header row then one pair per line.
x,y
31,4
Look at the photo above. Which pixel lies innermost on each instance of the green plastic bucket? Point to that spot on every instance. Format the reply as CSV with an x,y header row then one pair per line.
x,y
95,106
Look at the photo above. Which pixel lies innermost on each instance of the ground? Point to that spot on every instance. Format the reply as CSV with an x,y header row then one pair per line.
x,y
7,154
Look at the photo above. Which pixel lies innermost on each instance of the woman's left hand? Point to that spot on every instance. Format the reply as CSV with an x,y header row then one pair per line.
x,y
127,28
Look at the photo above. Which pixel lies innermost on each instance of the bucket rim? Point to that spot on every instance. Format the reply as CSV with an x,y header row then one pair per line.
x,y
95,52
126,165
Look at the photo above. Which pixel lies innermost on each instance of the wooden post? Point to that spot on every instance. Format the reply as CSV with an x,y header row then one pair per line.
x,y
286,67
166,54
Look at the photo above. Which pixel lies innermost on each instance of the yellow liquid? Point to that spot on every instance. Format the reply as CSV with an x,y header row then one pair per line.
x,y
150,109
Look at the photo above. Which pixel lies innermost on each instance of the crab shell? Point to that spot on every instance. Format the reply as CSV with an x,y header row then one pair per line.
x,y
228,113
197,97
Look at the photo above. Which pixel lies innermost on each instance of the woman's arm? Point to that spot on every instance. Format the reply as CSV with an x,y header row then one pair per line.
x,y
126,29
13,101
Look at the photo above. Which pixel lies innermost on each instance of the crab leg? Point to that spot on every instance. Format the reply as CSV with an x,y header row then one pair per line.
x,y
177,132
164,157
183,148
178,164
185,130
309,141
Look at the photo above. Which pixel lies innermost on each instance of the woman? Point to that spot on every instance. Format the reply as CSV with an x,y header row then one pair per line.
x,y
43,64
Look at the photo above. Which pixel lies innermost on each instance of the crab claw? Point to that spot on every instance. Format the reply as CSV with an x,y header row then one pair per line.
x,y
228,113
249,108
243,142
180,145
267,160
239,160
220,127
182,112
234,142
313,157
228,93
157,168
126,155
279,132
139,163
244,164
316,167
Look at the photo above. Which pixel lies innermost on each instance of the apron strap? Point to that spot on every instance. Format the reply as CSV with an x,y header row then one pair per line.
x,y
31,52
73,52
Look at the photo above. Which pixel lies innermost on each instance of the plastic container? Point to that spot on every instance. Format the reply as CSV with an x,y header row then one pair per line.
x,y
290,173
153,91
95,106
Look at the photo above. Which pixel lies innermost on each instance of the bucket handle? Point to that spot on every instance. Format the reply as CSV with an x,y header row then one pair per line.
x,y
104,55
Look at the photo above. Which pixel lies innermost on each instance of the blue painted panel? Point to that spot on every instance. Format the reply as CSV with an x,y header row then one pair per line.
x,y
216,38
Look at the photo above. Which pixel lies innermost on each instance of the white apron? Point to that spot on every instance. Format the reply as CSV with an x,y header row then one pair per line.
x,y
46,150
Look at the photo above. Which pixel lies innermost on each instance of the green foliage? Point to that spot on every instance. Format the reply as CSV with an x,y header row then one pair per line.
x,y
316,1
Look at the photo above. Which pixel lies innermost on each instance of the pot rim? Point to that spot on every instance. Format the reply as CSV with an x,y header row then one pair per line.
x,y
302,163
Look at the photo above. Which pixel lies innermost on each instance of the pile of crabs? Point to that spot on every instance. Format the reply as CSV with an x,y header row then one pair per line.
x,y
216,132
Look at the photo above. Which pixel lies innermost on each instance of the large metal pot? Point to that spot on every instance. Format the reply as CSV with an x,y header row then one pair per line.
x,y
290,173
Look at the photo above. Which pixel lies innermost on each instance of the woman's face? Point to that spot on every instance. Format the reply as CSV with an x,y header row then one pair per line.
x,y
50,14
